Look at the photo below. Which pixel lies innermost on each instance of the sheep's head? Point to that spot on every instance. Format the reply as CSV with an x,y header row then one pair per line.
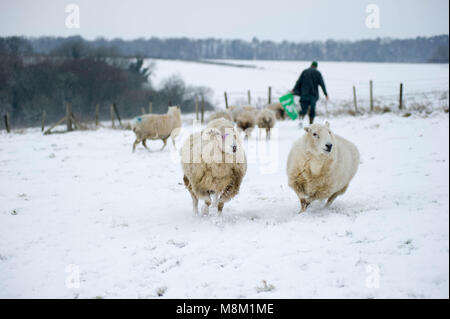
x,y
320,139
174,110
267,119
217,142
226,140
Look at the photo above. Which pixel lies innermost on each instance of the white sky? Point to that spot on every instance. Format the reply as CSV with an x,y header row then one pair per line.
x,y
293,20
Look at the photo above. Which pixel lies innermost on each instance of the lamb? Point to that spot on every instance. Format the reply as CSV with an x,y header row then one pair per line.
x,y
221,114
266,119
321,165
156,126
245,121
280,113
214,178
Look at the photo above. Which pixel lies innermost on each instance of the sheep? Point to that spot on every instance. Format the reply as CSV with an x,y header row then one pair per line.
x,y
245,121
221,114
249,108
280,113
266,119
215,179
157,126
234,111
220,123
321,165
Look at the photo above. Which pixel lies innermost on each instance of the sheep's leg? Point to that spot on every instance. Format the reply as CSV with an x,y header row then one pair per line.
x,y
194,203
333,197
165,143
136,142
194,197
220,208
144,142
304,205
267,133
205,208
173,142
215,199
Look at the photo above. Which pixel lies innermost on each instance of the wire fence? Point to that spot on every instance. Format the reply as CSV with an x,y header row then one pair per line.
x,y
410,99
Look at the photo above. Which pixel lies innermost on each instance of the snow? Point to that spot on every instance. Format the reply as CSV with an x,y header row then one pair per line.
x,y
125,220
422,82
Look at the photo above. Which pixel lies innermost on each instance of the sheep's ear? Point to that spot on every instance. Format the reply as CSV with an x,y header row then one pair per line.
x,y
327,124
307,129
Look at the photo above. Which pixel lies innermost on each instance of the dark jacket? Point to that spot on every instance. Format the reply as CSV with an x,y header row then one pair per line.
x,y
308,83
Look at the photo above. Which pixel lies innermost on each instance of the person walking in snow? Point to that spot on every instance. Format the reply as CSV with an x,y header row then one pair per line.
x,y
307,87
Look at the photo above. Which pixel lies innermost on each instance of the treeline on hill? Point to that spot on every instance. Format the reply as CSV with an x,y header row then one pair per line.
x,y
420,49
84,75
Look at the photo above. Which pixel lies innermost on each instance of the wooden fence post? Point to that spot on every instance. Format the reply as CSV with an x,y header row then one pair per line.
x,y
196,107
249,97
44,115
400,104
97,112
354,99
203,109
116,110
111,110
6,118
226,99
150,107
371,96
270,95
69,117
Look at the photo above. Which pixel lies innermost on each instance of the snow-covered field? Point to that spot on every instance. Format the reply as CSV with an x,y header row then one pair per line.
x,y
83,202
423,83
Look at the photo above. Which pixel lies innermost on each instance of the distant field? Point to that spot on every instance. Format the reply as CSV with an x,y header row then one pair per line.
x,y
422,82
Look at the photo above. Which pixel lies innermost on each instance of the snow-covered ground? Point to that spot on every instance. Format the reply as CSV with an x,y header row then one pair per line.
x,y
424,82
83,202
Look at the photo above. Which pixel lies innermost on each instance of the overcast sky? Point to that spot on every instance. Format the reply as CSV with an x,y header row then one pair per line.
x,y
292,20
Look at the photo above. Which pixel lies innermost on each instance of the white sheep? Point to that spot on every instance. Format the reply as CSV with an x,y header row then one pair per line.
x,y
280,113
220,114
214,164
234,110
246,121
265,119
157,127
321,165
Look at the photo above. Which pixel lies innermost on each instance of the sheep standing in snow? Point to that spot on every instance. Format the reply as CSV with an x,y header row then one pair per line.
x,y
234,111
266,120
280,113
245,121
321,165
221,114
157,127
214,164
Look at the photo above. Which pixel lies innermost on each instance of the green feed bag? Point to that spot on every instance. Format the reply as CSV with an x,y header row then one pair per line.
x,y
289,105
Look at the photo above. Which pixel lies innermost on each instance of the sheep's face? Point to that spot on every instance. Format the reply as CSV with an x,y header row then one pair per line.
x,y
226,140
267,120
320,139
231,141
174,110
